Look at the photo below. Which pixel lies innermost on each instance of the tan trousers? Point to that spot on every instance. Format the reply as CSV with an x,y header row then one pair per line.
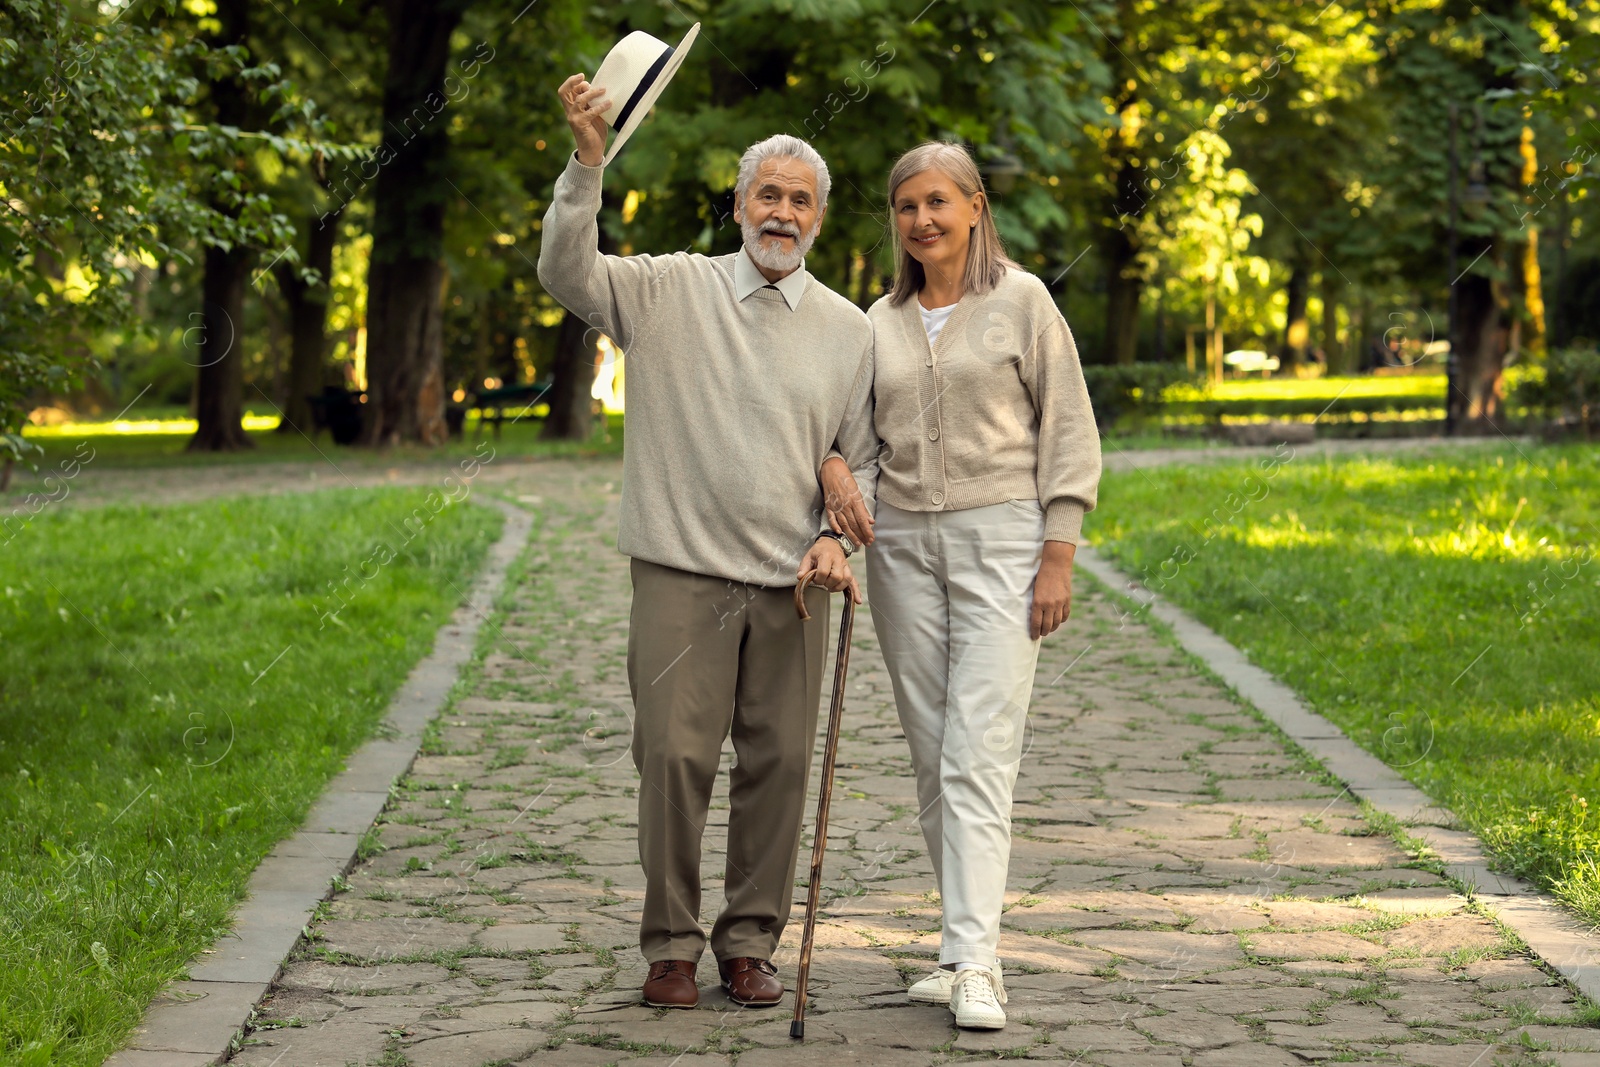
x,y
707,656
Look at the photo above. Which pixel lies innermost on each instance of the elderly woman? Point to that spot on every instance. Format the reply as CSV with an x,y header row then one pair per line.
x,y
990,459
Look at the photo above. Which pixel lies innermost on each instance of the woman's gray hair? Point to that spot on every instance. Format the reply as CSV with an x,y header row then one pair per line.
x,y
782,146
987,261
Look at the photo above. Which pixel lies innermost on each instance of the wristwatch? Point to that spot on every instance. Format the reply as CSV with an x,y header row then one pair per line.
x,y
845,543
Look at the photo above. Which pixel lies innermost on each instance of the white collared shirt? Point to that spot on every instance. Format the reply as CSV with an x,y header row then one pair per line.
x,y
747,278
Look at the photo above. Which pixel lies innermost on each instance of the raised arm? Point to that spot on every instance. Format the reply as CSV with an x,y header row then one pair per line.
x,y
613,294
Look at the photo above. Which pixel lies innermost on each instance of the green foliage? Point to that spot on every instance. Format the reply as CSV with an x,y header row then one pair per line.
x,y
1131,390
175,701
1254,139
103,159
1567,386
110,449
113,169
1443,609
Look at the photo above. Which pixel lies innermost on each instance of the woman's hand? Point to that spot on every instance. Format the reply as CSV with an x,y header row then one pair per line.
x,y
1052,589
584,104
841,496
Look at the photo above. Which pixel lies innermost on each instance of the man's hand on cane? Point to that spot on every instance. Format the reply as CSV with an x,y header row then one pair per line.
x,y
584,104
830,569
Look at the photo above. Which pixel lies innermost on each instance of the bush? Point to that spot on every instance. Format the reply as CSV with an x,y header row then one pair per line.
x,y
1131,389
1566,387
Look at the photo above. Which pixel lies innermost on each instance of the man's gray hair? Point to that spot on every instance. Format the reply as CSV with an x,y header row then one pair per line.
x,y
783,146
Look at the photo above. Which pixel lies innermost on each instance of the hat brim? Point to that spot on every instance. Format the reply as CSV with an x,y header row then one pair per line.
x,y
648,99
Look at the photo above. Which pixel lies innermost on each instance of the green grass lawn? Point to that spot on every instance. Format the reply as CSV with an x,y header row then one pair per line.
x,y
1444,609
113,449
1324,389
1328,400
173,697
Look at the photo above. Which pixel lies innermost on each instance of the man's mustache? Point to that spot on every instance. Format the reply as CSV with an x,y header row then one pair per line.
x,y
788,229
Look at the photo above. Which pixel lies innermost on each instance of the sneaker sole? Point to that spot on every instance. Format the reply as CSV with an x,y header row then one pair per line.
x,y
929,998
984,1025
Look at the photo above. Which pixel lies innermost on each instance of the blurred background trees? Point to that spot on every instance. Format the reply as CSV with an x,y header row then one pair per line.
x,y
224,204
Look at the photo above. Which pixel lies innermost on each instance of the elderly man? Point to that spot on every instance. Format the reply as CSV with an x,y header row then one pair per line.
x,y
743,372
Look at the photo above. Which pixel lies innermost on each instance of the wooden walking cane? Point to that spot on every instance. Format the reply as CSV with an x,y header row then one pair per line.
x,y
819,841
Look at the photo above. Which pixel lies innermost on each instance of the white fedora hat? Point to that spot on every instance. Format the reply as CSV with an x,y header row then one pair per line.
x,y
634,73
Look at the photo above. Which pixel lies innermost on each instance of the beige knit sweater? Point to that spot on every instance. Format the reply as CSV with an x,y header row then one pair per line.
x,y
732,405
996,410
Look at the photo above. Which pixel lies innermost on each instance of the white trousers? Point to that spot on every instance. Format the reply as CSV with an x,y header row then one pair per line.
x,y
951,594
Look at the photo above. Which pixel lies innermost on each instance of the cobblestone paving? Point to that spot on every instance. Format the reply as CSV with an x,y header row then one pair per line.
x,y
1183,889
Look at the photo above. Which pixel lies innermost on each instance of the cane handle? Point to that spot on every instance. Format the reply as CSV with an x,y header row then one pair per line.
x,y
800,594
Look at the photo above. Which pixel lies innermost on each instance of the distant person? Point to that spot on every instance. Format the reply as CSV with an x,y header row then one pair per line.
x,y
1377,353
743,371
991,457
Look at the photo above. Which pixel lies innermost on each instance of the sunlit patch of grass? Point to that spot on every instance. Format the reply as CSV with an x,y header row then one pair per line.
x,y
172,709
1444,609
142,426
1425,385
97,446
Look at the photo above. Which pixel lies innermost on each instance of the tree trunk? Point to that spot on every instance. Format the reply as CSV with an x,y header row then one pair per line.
x,y
571,415
1483,303
1296,329
405,340
1130,191
1160,343
1483,334
219,389
1332,350
219,386
1558,311
1213,339
1119,248
308,320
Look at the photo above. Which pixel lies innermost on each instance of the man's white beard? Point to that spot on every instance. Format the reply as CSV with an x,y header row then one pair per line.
x,y
769,253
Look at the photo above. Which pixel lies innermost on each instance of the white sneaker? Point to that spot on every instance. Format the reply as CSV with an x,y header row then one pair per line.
x,y
975,996
934,989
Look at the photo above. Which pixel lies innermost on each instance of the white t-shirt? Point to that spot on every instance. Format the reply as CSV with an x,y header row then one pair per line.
x,y
933,321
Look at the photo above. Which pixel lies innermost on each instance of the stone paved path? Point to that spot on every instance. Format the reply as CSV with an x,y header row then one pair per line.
x,y
1183,890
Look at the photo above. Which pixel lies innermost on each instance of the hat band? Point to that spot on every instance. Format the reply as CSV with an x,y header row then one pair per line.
x,y
643,87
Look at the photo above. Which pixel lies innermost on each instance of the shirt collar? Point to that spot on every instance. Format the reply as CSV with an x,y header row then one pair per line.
x,y
747,278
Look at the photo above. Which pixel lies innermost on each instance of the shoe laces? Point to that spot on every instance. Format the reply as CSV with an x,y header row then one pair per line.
x,y
989,992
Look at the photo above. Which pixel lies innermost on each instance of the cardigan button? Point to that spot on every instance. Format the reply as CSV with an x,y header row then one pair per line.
x,y
938,498
933,434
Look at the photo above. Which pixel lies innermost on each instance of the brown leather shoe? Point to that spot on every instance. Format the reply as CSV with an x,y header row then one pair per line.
x,y
671,985
750,982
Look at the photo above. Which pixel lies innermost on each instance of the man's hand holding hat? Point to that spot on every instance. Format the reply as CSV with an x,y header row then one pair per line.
x,y
631,77
586,106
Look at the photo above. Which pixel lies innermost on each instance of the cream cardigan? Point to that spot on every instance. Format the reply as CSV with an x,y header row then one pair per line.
x,y
996,410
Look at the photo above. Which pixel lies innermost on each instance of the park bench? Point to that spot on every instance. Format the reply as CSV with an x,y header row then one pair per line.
x,y
337,410
492,404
